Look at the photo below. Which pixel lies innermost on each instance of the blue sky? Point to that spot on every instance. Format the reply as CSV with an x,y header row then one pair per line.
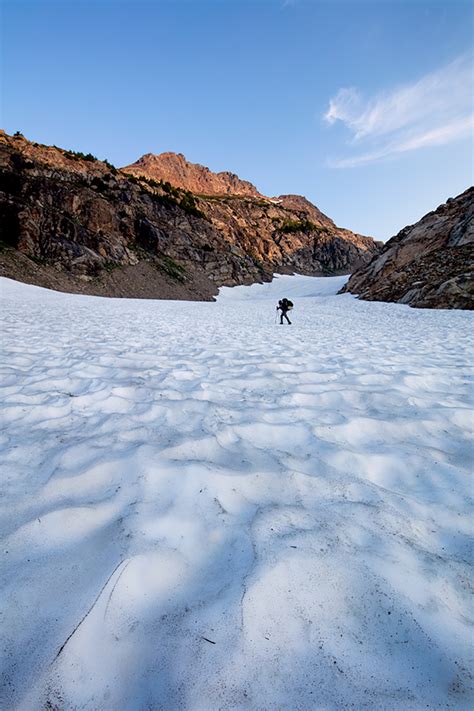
x,y
364,107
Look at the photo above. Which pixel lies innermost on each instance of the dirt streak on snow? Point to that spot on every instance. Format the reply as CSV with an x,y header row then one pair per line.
x,y
203,509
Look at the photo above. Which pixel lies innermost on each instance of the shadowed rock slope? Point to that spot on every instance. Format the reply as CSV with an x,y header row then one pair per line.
x,y
427,265
71,222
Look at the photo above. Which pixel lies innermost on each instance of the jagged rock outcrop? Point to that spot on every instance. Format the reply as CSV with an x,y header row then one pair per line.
x,y
75,223
427,265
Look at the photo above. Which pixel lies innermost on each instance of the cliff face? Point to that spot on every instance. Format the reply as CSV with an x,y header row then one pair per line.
x,y
286,232
74,223
429,264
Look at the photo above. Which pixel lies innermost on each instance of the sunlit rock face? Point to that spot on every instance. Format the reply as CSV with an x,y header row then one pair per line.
x,y
174,168
429,264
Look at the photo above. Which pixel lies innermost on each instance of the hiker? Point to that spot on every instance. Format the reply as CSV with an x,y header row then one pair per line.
x,y
284,305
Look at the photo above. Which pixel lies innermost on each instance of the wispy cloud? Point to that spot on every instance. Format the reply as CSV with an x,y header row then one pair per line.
x,y
435,110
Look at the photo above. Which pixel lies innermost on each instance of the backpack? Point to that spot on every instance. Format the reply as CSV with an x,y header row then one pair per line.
x,y
289,304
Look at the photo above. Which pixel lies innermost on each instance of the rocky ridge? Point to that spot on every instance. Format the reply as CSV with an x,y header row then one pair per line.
x,y
429,264
74,223
286,231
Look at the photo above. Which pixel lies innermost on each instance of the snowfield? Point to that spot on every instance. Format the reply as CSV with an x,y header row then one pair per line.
x,y
202,509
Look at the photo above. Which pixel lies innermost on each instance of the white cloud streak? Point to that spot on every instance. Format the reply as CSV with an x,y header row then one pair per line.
x,y
435,110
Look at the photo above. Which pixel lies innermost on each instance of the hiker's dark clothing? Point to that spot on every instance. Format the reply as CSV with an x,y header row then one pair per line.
x,y
284,306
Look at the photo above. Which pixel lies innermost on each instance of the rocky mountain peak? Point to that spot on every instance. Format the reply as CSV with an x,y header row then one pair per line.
x,y
73,222
175,169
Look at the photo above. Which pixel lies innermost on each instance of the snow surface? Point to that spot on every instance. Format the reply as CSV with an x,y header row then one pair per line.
x,y
202,509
